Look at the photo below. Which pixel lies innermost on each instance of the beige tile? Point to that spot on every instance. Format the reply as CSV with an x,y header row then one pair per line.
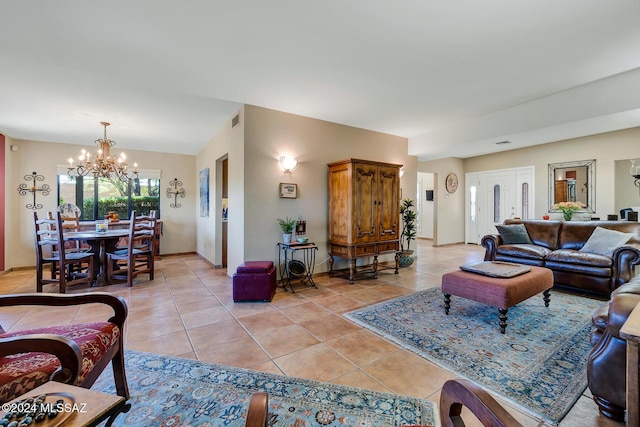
x,y
330,326
211,336
304,311
281,341
318,362
362,347
339,303
243,352
407,374
207,316
264,321
173,344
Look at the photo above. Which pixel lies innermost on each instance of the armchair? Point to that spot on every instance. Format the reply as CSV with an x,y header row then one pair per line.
x,y
74,354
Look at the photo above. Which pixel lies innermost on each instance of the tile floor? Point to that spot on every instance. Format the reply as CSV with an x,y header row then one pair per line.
x,y
188,311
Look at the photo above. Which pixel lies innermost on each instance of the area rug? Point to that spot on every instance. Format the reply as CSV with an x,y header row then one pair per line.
x,y
539,364
172,391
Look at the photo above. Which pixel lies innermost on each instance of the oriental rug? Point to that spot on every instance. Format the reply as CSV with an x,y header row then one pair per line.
x,y
539,364
172,391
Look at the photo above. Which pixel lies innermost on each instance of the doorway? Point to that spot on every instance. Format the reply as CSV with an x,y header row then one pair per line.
x,y
222,213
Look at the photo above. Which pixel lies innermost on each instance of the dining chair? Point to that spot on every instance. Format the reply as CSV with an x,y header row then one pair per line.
x,y
138,256
68,266
71,222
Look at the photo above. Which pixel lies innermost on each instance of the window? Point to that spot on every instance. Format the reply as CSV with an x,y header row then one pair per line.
x,y
472,203
525,200
96,197
496,203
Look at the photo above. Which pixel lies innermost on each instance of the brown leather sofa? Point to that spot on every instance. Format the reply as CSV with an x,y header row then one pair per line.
x,y
555,245
607,361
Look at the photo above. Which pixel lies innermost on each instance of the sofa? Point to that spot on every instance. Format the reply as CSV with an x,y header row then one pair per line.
x,y
562,247
607,361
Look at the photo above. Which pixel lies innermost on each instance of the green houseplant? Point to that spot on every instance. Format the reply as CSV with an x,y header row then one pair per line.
x,y
408,217
286,225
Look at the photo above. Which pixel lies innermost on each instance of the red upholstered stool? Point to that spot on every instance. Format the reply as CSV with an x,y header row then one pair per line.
x,y
501,293
254,281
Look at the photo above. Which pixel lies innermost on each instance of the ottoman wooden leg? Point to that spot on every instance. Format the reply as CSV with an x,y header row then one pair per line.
x,y
447,303
503,319
547,297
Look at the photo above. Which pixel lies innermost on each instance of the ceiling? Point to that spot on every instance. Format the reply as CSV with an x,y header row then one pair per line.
x,y
454,77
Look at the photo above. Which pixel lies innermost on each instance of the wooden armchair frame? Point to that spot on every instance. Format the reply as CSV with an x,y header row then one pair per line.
x,y
66,350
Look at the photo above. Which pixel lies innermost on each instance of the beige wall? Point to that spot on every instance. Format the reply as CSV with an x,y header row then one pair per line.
x,y
178,226
606,148
269,134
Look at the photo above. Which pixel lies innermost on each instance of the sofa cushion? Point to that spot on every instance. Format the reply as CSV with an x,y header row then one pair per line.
x,y
570,256
513,234
603,241
523,251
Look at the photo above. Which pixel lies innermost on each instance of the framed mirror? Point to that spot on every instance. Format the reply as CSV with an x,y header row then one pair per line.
x,y
573,182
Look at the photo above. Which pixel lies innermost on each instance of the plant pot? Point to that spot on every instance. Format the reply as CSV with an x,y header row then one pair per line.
x,y
405,258
286,237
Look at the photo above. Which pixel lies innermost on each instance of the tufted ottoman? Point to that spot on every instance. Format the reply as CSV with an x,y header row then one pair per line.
x,y
497,291
254,281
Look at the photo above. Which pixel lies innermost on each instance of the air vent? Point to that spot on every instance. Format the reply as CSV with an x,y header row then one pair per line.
x,y
503,142
235,121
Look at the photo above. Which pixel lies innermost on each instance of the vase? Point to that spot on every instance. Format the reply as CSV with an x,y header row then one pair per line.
x,y
286,237
405,259
568,215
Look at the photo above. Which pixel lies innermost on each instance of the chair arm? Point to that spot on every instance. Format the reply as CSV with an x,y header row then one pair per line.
x,y
625,258
114,301
491,242
66,350
258,410
620,307
457,393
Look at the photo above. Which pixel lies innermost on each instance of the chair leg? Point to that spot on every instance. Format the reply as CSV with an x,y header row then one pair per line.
x,y
119,375
63,279
39,278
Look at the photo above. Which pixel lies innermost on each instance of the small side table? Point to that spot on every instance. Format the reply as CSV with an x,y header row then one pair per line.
x,y
94,407
293,268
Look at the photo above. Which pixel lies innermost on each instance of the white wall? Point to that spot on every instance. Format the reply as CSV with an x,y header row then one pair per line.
x,y
426,182
178,227
448,208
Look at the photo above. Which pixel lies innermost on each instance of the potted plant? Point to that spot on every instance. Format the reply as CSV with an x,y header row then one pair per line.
x,y
408,234
286,225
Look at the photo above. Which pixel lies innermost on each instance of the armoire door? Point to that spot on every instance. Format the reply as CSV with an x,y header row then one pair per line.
x,y
365,202
388,205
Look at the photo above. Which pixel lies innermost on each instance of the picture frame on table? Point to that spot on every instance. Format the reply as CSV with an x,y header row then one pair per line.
x,y
288,190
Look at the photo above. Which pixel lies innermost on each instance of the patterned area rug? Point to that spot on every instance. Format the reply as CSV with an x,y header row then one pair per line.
x,y
171,391
539,364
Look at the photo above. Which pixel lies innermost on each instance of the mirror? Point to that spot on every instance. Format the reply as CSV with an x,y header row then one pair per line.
x,y
573,182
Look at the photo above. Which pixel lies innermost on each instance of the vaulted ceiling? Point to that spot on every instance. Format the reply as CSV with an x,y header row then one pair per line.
x,y
454,77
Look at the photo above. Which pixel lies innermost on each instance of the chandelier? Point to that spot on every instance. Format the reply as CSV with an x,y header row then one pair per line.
x,y
103,165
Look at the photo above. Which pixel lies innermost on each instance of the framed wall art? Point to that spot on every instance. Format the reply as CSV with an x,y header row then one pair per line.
x,y
204,193
288,191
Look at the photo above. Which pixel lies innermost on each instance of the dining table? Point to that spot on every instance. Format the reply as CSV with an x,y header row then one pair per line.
x,y
101,243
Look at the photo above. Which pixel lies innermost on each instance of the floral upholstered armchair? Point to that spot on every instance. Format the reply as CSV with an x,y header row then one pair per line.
x,y
74,354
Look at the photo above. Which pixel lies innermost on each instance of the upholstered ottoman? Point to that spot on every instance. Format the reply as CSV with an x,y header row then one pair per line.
x,y
498,292
254,281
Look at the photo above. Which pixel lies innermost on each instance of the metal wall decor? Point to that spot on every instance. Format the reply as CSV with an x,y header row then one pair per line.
x,y
25,188
175,192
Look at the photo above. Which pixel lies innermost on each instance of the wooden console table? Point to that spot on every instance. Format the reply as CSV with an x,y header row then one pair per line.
x,y
630,331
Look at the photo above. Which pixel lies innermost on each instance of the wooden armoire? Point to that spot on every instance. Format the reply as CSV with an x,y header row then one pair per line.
x,y
364,202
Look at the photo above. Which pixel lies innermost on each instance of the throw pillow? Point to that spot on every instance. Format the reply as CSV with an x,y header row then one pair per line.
x,y
603,241
513,234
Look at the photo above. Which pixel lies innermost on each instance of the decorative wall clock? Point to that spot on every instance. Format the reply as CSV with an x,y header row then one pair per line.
x,y
451,183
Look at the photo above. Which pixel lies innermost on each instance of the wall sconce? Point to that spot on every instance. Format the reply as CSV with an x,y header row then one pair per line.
x,y
25,188
635,172
175,192
288,163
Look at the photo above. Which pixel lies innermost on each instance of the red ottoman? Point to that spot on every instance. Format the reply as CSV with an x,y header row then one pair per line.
x,y
254,281
501,293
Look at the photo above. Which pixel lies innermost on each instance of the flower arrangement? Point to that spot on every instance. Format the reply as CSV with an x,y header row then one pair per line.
x,y
567,208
